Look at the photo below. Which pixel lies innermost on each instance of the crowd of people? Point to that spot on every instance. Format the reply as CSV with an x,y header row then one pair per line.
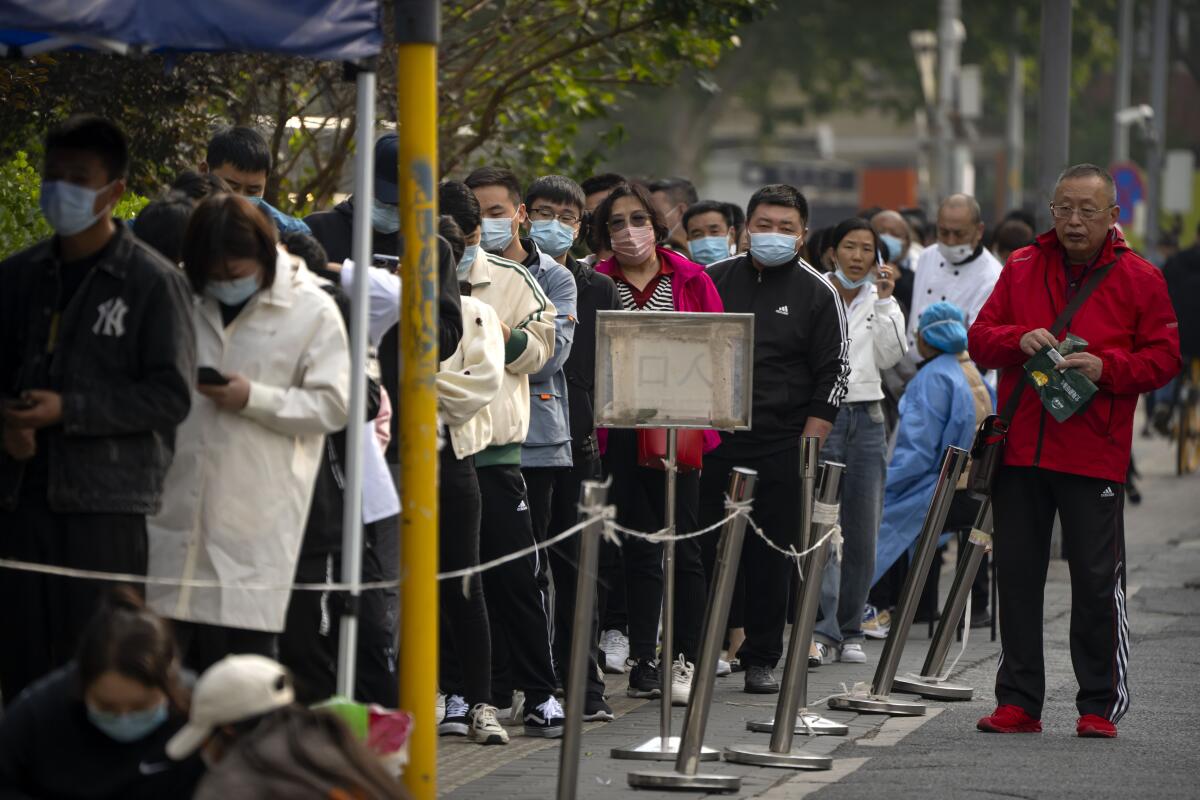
x,y
176,395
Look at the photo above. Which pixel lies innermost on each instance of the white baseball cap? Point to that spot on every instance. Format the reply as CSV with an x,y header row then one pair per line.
x,y
234,689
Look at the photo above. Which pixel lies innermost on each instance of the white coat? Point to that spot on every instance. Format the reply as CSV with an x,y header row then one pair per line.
x,y
238,491
470,379
876,331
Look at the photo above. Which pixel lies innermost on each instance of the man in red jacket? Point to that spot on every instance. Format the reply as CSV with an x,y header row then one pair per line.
x,y
1076,467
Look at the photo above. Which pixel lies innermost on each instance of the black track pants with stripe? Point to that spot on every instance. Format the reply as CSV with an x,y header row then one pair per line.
x,y
1092,511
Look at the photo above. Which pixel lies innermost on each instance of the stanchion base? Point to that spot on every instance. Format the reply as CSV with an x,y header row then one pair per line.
x,y
677,780
653,750
867,705
820,726
932,690
762,756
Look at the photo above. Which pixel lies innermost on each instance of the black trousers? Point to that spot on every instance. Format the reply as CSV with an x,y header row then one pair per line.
x,y
42,617
1092,512
560,488
518,609
640,496
465,633
309,643
764,576
202,645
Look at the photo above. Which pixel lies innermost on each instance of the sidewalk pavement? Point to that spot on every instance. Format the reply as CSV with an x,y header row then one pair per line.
x,y
1164,550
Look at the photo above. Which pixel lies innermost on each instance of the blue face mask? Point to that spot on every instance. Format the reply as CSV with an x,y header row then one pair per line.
x,y
773,249
129,727
709,249
497,234
467,261
385,218
234,292
68,207
845,281
552,236
894,245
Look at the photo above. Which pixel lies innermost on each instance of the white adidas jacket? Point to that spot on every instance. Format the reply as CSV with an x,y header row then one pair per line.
x,y
876,331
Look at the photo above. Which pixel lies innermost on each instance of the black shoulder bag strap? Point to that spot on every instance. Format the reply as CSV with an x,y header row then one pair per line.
x,y
1064,319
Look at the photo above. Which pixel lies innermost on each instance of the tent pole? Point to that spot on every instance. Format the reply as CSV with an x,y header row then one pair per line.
x,y
416,88
352,521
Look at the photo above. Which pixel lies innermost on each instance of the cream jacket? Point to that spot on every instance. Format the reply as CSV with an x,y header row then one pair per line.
x,y
238,491
876,331
471,378
520,303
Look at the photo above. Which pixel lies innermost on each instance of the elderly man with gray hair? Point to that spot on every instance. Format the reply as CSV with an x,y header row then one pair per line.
x,y
1079,277
959,270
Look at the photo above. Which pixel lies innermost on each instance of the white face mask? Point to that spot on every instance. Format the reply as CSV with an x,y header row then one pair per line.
x,y
957,253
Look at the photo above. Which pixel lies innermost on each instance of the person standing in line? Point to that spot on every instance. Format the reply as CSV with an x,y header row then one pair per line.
x,y
875,326
518,609
672,197
274,380
96,365
1075,468
650,278
710,231
555,205
959,270
801,374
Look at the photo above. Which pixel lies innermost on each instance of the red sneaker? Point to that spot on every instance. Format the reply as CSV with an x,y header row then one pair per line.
x,y
1091,726
1009,719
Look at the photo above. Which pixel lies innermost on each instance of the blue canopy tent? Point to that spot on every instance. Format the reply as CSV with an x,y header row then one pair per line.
x,y
341,30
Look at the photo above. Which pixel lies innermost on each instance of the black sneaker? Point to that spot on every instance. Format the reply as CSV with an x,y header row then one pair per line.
x,y
644,680
596,710
546,720
457,721
759,680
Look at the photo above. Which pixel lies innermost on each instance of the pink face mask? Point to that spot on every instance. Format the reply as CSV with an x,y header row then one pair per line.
x,y
633,245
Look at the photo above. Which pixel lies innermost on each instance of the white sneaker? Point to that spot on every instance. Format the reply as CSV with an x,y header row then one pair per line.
x,y
681,681
616,651
456,722
852,653
485,728
439,708
723,668
517,710
827,654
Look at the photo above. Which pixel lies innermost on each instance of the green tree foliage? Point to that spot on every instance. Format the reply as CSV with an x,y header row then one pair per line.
x,y
21,223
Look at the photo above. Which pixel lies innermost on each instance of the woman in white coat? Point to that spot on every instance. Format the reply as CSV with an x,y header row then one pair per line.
x,y
875,328
274,379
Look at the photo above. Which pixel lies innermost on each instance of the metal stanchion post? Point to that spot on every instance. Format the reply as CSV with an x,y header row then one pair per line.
x,y
793,697
665,747
593,496
695,720
878,701
927,684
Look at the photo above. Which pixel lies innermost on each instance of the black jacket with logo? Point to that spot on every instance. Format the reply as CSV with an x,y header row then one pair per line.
x,y
123,359
801,353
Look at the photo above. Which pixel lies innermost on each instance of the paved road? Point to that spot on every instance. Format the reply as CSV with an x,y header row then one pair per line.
x,y
940,754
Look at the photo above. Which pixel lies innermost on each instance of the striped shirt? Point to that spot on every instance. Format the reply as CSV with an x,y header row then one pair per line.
x,y
655,297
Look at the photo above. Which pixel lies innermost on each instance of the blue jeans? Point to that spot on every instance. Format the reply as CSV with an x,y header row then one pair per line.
x,y
858,440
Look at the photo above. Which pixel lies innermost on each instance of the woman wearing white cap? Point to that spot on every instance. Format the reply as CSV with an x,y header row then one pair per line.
x,y
259,744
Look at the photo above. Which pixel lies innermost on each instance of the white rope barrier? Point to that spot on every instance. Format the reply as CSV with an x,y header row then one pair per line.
x,y
823,514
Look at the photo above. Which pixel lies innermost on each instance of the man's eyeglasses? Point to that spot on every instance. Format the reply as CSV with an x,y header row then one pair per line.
x,y
1085,214
545,213
638,219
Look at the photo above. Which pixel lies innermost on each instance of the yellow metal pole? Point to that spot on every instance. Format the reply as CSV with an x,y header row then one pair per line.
x,y
416,65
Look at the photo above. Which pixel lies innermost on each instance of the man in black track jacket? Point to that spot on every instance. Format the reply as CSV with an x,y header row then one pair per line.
x,y
801,369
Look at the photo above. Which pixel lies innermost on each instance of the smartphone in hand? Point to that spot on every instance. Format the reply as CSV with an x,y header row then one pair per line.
x,y
207,376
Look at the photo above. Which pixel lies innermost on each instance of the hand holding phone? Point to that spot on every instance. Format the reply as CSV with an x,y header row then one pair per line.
x,y
207,376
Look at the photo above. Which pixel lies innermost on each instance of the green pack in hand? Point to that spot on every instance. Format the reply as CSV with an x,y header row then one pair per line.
x,y
1063,392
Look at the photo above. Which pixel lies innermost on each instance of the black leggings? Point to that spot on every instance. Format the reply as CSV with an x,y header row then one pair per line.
x,y
639,493
466,639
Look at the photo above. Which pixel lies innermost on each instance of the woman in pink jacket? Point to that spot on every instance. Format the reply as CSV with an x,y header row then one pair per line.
x,y
651,278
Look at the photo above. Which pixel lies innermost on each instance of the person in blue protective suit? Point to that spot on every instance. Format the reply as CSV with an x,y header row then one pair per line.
x,y
942,406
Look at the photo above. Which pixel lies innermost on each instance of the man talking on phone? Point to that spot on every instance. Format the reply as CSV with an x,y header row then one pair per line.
x,y
95,374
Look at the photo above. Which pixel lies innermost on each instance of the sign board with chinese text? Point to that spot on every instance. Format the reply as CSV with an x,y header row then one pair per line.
x,y
674,370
